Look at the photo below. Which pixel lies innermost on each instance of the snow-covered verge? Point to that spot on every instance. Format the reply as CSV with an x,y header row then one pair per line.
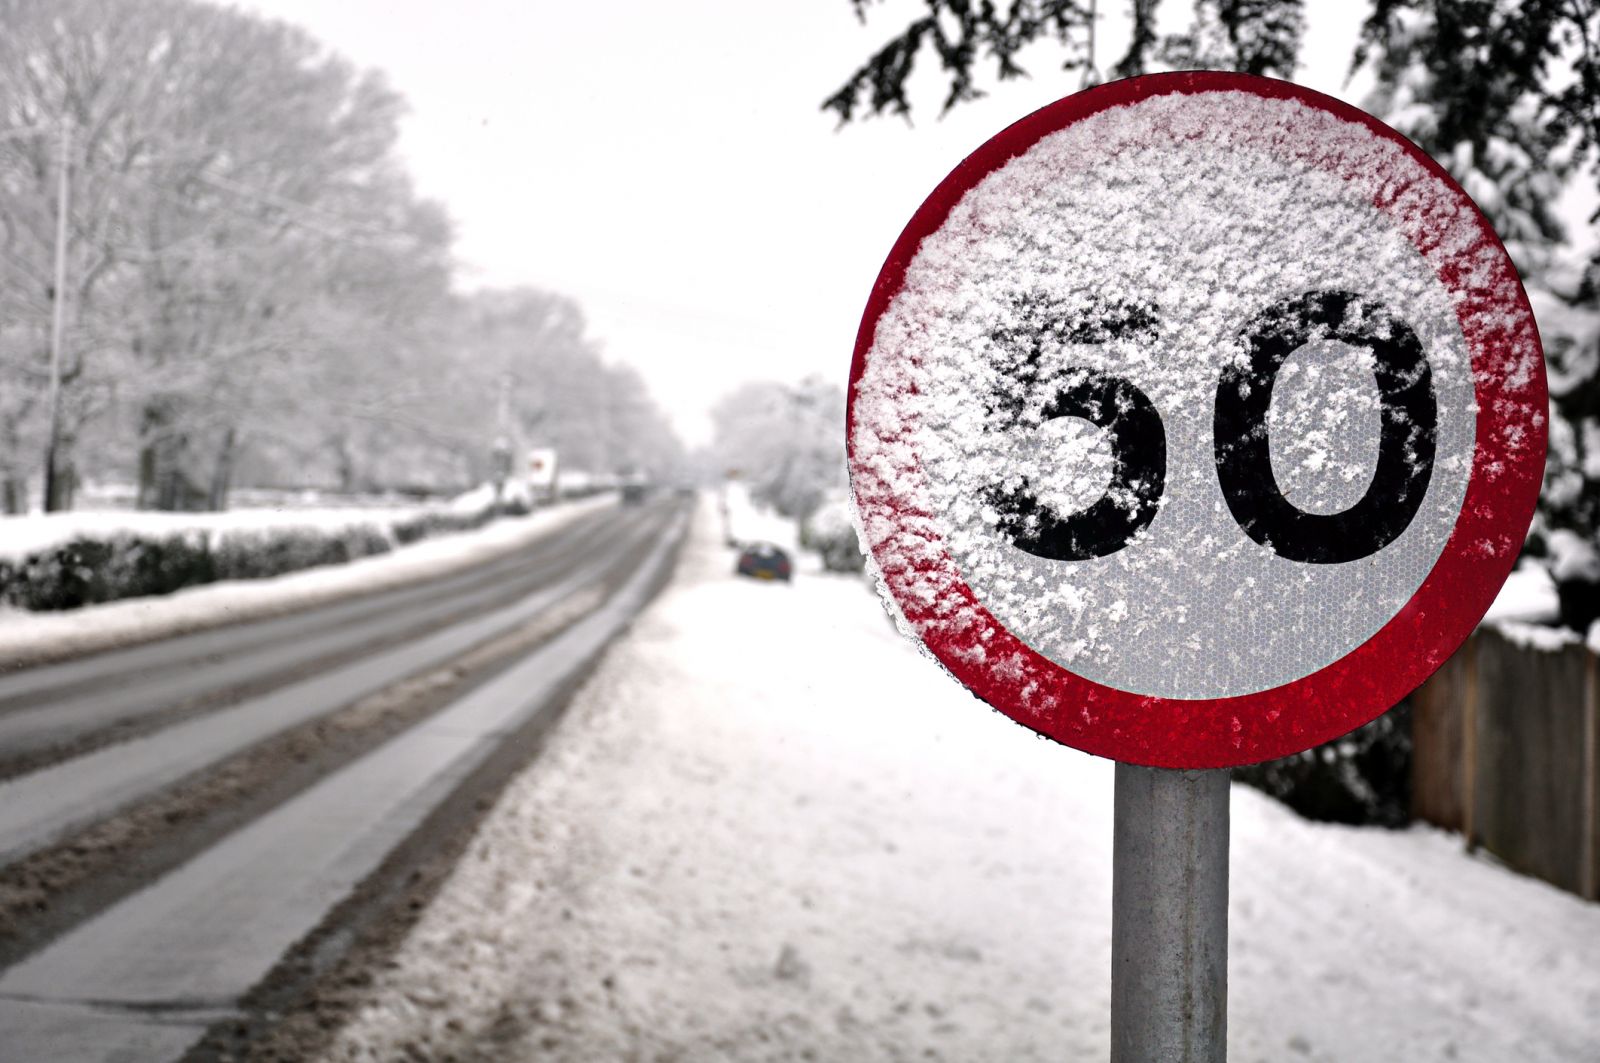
x,y
35,533
27,638
770,830
54,561
746,521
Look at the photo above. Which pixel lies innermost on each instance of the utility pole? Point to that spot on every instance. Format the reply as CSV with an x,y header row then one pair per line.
x,y
58,323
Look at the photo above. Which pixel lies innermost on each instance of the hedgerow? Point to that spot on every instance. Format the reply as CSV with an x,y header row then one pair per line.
x,y
87,570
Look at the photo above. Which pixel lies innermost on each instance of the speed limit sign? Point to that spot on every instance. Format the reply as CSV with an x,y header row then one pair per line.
x,y
1195,420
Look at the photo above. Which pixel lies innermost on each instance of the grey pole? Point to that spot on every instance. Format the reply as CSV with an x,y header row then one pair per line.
x,y
1169,916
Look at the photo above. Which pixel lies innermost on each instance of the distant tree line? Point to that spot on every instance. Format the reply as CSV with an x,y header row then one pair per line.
x,y
253,289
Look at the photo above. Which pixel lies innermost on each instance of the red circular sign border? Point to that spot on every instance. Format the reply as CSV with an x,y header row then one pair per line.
x,y
1244,729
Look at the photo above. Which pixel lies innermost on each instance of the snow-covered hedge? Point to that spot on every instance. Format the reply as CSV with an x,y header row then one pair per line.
x,y
831,533
133,557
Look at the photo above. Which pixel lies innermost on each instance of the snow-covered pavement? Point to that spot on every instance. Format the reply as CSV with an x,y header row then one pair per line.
x,y
769,830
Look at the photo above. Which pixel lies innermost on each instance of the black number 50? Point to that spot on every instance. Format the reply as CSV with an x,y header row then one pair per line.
x,y
1408,426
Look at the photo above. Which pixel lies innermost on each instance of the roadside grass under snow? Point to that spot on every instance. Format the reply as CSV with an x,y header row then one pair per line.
x,y
769,829
28,638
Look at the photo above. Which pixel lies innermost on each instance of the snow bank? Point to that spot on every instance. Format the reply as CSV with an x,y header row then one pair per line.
x,y
1572,557
35,533
770,830
1528,596
28,638
476,500
1538,636
746,521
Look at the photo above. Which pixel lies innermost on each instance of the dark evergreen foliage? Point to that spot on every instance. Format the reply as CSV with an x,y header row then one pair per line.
x,y
1485,72
1251,36
962,34
1254,36
1141,41
1486,57
1570,500
1511,92
1363,778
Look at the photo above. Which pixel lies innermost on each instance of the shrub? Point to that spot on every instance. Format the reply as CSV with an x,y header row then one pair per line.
x,y
421,527
137,567
830,532
1363,778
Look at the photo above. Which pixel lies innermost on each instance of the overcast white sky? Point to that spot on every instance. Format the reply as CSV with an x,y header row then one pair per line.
x,y
667,164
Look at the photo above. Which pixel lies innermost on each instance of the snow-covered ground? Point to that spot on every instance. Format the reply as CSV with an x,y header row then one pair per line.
x,y
29,637
742,520
770,830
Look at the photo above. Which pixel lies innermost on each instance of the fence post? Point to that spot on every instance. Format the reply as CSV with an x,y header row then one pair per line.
x,y
1589,843
1469,746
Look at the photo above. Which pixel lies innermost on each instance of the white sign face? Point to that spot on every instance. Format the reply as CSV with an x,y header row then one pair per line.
x,y
1180,398
1045,263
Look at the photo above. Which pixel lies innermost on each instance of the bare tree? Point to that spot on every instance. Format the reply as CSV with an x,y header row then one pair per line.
x,y
231,176
786,441
253,281
534,347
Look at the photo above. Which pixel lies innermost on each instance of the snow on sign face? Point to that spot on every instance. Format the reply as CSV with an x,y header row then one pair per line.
x,y
1195,419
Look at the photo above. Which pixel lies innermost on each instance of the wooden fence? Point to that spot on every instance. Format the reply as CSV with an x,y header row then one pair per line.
x,y
1507,751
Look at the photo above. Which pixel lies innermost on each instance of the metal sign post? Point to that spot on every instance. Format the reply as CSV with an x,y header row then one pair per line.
x,y
1169,916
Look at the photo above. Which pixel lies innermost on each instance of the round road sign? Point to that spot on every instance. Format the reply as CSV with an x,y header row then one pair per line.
x,y
1195,419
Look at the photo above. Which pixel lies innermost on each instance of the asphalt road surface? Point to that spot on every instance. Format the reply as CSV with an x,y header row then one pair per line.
x,y
177,816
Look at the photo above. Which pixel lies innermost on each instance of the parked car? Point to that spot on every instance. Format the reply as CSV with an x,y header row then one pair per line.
x,y
763,561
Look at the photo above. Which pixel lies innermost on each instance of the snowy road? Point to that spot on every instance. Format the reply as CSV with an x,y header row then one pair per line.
x,y
140,972
46,706
768,830
40,806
